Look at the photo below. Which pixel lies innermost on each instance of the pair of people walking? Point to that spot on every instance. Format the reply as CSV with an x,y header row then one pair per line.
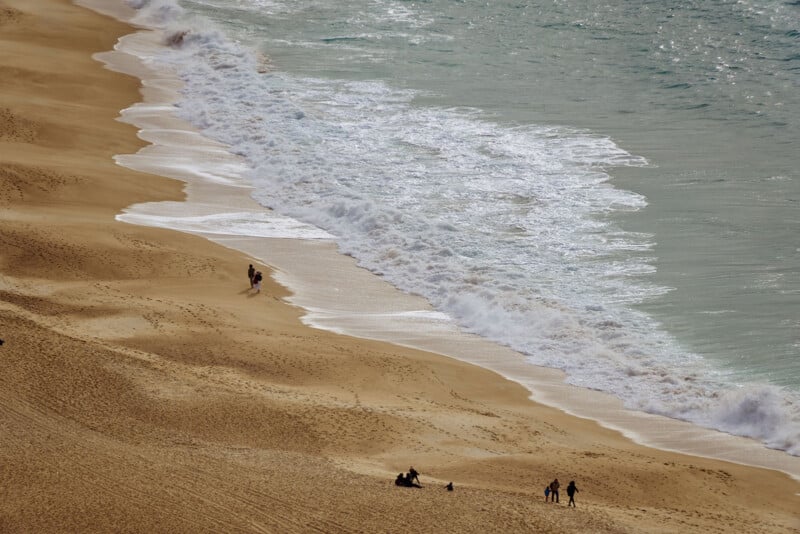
x,y
255,278
551,492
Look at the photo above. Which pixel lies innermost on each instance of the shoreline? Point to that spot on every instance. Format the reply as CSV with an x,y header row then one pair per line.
x,y
145,388
343,298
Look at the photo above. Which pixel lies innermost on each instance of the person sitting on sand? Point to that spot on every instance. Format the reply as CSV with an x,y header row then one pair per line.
x,y
405,481
449,486
571,491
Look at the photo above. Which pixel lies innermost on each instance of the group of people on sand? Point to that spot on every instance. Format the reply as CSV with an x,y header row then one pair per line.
x,y
255,278
408,480
411,480
551,492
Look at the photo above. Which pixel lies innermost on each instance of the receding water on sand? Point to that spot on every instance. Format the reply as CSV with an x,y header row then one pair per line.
x,y
553,179
339,296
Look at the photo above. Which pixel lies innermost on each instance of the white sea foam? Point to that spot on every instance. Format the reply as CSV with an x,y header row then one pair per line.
x,y
244,223
502,227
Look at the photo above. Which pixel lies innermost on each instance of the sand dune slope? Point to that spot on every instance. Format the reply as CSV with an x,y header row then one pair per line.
x,y
144,388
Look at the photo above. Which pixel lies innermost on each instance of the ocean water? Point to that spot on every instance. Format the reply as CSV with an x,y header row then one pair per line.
x,y
609,188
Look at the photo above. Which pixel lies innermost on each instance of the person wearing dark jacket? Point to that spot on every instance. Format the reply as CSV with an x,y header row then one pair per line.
x,y
571,491
405,481
413,475
251,273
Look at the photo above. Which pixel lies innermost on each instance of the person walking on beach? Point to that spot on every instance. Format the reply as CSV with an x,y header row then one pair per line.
x,y
257,281
571,491
554,485
251,273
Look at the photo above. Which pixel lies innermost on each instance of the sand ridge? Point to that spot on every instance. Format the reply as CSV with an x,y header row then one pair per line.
x,y
144,388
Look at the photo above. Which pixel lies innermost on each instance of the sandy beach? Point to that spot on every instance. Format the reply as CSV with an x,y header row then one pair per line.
x,y
145,388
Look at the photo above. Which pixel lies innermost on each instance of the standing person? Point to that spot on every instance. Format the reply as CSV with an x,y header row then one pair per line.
x,y
251,273
554,485
572,489
413,475
257,281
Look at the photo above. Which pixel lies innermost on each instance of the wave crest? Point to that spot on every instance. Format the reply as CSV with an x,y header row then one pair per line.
x,y
761,413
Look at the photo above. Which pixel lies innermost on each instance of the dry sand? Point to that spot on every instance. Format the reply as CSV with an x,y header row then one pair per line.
x,y
144,389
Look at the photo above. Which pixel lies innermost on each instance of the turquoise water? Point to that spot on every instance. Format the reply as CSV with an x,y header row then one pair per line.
x,y
610,188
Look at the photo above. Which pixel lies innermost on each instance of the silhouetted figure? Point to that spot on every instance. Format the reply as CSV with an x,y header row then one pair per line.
x,y
572,489
257,281
554,485
405,481
413,475
251,273
449,486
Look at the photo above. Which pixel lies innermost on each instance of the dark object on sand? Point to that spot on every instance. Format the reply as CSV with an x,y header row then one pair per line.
x,y
412,475
572,489
449,486
405,481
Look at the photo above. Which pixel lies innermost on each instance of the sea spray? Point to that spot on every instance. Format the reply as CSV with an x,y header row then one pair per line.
x,y
508,228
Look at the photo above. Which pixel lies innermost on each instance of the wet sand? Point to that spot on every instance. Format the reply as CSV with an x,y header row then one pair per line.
x,y
145,388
